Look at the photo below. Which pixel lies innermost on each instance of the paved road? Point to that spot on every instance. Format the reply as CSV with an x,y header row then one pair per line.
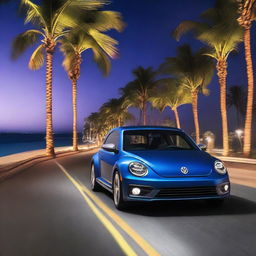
x,y
241,173
43,213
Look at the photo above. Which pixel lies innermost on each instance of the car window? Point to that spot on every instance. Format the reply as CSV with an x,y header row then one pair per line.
x,y
178,141
113,138
156,140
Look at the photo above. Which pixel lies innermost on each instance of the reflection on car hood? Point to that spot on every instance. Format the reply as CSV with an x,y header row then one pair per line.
x,y
168,163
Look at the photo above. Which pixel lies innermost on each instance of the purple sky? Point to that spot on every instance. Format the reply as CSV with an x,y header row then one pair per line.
x,y
146,41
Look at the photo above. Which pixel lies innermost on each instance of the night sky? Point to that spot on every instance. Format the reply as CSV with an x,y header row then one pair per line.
x,y
146,41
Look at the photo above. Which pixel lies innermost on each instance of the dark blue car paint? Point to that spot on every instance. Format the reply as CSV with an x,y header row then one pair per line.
x,y
164,168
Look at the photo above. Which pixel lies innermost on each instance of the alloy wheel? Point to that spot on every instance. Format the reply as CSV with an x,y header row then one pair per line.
x,y
92,176
116,189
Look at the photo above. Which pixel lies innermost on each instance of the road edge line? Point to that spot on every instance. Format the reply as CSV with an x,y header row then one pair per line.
x,y
145,246
126,248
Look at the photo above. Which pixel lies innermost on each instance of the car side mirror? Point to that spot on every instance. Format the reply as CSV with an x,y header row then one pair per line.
x,y
203,147
110,147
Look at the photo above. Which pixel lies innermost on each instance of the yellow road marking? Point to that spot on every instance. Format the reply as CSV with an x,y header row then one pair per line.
x,y
126,248
147,248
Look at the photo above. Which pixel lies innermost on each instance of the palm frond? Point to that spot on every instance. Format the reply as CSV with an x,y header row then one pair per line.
x,y
103,47
187,26
33,12
102,61
141,88
104,20
69,52
66,22
37,58
194,70
218,28
74,9
170,93
107,43
23,41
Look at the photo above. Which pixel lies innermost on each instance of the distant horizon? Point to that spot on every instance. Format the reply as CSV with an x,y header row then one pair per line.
x,y
36,132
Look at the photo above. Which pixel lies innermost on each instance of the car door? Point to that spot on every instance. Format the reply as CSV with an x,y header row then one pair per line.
x,y
108,158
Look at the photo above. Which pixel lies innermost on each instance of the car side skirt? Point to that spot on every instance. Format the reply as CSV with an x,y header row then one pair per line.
x,y
104,184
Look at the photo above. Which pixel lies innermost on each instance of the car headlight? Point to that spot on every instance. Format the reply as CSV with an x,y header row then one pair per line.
x,y
138,169
220,167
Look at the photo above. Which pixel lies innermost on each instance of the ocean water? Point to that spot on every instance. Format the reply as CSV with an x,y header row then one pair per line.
x,y
17,143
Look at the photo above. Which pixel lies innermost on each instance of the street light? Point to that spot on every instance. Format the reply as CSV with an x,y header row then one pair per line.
x,y
208,139
239,133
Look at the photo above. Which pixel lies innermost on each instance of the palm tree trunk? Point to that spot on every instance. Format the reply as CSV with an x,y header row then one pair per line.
x,y
74,101
49,125
249,108
140,116
74,75
222,75
194,95
119,122
177,118
144,113
90,131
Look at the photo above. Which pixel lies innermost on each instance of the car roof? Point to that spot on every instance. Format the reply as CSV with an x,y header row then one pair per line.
x,y
142,127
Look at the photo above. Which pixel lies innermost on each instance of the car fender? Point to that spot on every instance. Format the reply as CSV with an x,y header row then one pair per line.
x,y
95,161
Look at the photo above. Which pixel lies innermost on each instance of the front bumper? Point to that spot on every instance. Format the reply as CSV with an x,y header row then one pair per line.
x,y
189,188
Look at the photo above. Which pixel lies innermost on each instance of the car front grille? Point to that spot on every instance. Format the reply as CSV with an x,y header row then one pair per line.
x,y
181,192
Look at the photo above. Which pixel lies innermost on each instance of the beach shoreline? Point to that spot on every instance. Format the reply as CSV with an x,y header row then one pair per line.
x,y
15,163
26,156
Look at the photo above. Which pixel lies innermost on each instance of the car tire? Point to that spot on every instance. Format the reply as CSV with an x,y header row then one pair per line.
x,y
118,192
94,185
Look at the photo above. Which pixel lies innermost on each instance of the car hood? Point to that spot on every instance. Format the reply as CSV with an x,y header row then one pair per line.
x,y
168,163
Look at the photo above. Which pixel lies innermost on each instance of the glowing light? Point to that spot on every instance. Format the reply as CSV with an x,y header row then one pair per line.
x,y
208,139
226,187
239,132
136,191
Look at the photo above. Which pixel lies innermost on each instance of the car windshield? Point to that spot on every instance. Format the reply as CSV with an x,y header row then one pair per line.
x,y
156,140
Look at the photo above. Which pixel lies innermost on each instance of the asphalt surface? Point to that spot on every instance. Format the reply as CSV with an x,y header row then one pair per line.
x,y
43,213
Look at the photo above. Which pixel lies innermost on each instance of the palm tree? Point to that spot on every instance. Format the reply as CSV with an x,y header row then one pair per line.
x,y
138,92
103,47
236,97
115,111
51,21
221,32
95,126
246,16
194,71
170,94
111,114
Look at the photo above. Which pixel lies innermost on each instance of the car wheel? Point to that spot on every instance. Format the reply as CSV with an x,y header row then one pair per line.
x,y
118,192
94,185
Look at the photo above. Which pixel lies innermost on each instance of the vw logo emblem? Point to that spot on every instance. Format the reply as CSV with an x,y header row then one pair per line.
x,y
184,170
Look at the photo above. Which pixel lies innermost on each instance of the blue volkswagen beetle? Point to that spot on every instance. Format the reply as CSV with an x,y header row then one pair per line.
x,y
149,163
